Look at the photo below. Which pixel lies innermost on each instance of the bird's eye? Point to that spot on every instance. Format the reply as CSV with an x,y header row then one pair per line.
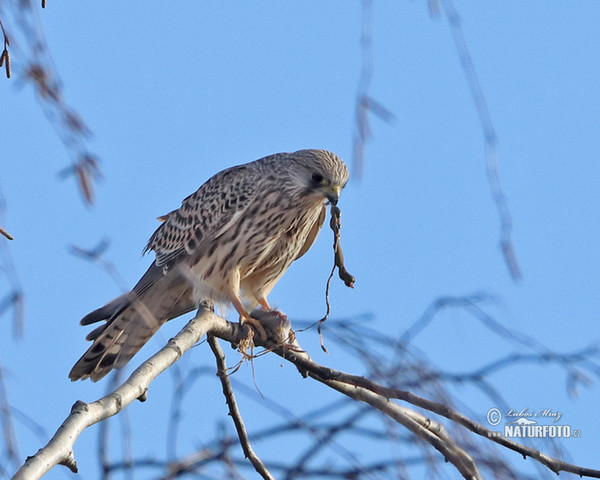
x,y
317,177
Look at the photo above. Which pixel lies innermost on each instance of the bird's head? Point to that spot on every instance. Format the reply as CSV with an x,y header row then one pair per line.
x,y
321,172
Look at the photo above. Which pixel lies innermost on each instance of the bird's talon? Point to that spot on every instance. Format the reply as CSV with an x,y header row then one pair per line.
x,y
260,330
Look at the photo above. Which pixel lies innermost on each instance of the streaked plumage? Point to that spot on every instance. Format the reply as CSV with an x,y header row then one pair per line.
x,y
229,242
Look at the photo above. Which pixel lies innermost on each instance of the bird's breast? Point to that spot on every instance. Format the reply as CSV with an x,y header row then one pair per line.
x,y
259,245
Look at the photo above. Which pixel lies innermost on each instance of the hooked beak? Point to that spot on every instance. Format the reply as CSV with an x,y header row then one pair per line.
x,y
332,192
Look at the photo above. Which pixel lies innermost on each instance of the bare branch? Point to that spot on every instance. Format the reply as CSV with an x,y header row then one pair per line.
x,y
34,64
95,255
84,415
326,375
234,411
5,56
428,430
59,449
183,384
15,298
365,104
490,139
347,424
308,425
10,440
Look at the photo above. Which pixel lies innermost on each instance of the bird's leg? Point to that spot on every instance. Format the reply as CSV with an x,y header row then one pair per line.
x,y
246,318
267,308
263,303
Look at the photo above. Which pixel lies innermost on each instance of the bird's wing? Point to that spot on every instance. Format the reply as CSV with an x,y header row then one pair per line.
x,y
314,231
205,215
165,292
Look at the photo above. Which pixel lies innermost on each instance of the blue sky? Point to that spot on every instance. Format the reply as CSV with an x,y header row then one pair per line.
x,y
175,94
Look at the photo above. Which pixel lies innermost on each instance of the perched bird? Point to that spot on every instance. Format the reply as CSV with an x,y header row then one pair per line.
x,y
230,242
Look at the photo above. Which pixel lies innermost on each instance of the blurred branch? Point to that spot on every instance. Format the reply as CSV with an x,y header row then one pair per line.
x,y
183,384
398,362
490,139
60,448
349,384
423,427
573,363
8,431
365,104
434,7
15,298
104,443
33,63
316,424
346,424
95,255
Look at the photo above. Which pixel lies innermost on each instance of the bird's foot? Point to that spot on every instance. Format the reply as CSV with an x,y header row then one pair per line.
x,y
256,325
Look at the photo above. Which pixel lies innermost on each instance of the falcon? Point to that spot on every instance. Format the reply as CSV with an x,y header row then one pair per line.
x,y
229,243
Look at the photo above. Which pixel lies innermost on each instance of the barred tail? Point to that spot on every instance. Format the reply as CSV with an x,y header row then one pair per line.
x,y
131,320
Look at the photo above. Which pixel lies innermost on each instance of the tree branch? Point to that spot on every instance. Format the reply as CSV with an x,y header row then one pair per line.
x,y
490,138
60,448
428,430
83,415
353,383
234,411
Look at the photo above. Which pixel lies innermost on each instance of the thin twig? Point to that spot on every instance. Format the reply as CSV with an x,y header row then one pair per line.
x,y
104,432
4,35
365,104
37,67
8,431
6,234
490,139
95,255
15,298
347,424
303,424
5,56
426,429
234,411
